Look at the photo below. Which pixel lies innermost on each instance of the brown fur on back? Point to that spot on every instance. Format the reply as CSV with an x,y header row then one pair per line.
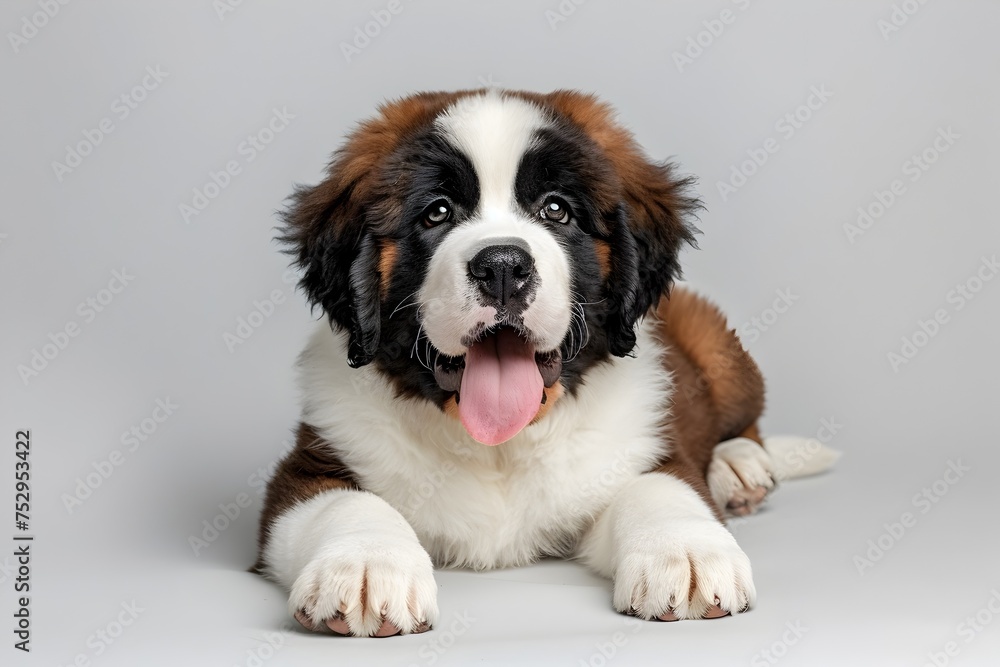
x,y
728,374
718,389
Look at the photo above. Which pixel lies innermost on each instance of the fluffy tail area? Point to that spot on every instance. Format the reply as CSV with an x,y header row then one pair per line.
x,y
794,456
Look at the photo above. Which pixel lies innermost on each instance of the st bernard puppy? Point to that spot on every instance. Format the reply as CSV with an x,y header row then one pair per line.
x,y
507,374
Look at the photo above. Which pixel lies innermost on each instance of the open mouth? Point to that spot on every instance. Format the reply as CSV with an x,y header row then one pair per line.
x,y
499,383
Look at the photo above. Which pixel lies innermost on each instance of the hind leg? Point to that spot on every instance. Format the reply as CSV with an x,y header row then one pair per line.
x,y
719,397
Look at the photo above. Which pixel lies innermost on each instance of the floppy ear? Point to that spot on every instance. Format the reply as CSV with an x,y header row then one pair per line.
x,y
326,231
652,226
622,287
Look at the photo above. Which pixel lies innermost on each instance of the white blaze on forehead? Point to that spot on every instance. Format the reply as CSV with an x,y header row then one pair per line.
x,y
493,132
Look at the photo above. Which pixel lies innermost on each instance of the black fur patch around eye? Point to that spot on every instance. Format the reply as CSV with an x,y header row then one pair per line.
x,y
562,160
422,171
425,169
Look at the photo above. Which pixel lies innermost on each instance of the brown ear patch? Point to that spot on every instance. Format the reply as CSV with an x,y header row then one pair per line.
x,y
386,263
375,139
658,200
353,173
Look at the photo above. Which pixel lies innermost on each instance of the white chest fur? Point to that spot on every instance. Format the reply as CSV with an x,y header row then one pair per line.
x,y
478,506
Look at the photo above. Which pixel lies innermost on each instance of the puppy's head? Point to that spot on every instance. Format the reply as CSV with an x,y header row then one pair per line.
x,y
485,249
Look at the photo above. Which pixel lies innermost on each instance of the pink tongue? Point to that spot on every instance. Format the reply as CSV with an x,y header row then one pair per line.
x,y
501,387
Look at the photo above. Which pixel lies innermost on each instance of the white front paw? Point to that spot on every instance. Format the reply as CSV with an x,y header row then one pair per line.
x,y
687,568
367,586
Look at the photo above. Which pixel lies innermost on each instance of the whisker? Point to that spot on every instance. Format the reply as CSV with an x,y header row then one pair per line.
x,y
584,327
578,300
415,350
577,341
572,337
400,305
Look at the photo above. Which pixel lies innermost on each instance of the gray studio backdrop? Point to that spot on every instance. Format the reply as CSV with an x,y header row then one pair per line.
x,y
847,156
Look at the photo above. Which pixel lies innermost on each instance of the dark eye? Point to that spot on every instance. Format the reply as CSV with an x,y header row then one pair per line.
x,y
556,210
436,213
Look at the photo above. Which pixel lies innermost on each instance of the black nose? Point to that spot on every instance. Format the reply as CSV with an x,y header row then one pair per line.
x,y
503,273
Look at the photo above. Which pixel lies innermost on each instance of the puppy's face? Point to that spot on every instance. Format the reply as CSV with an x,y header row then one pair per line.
x,y
486,249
